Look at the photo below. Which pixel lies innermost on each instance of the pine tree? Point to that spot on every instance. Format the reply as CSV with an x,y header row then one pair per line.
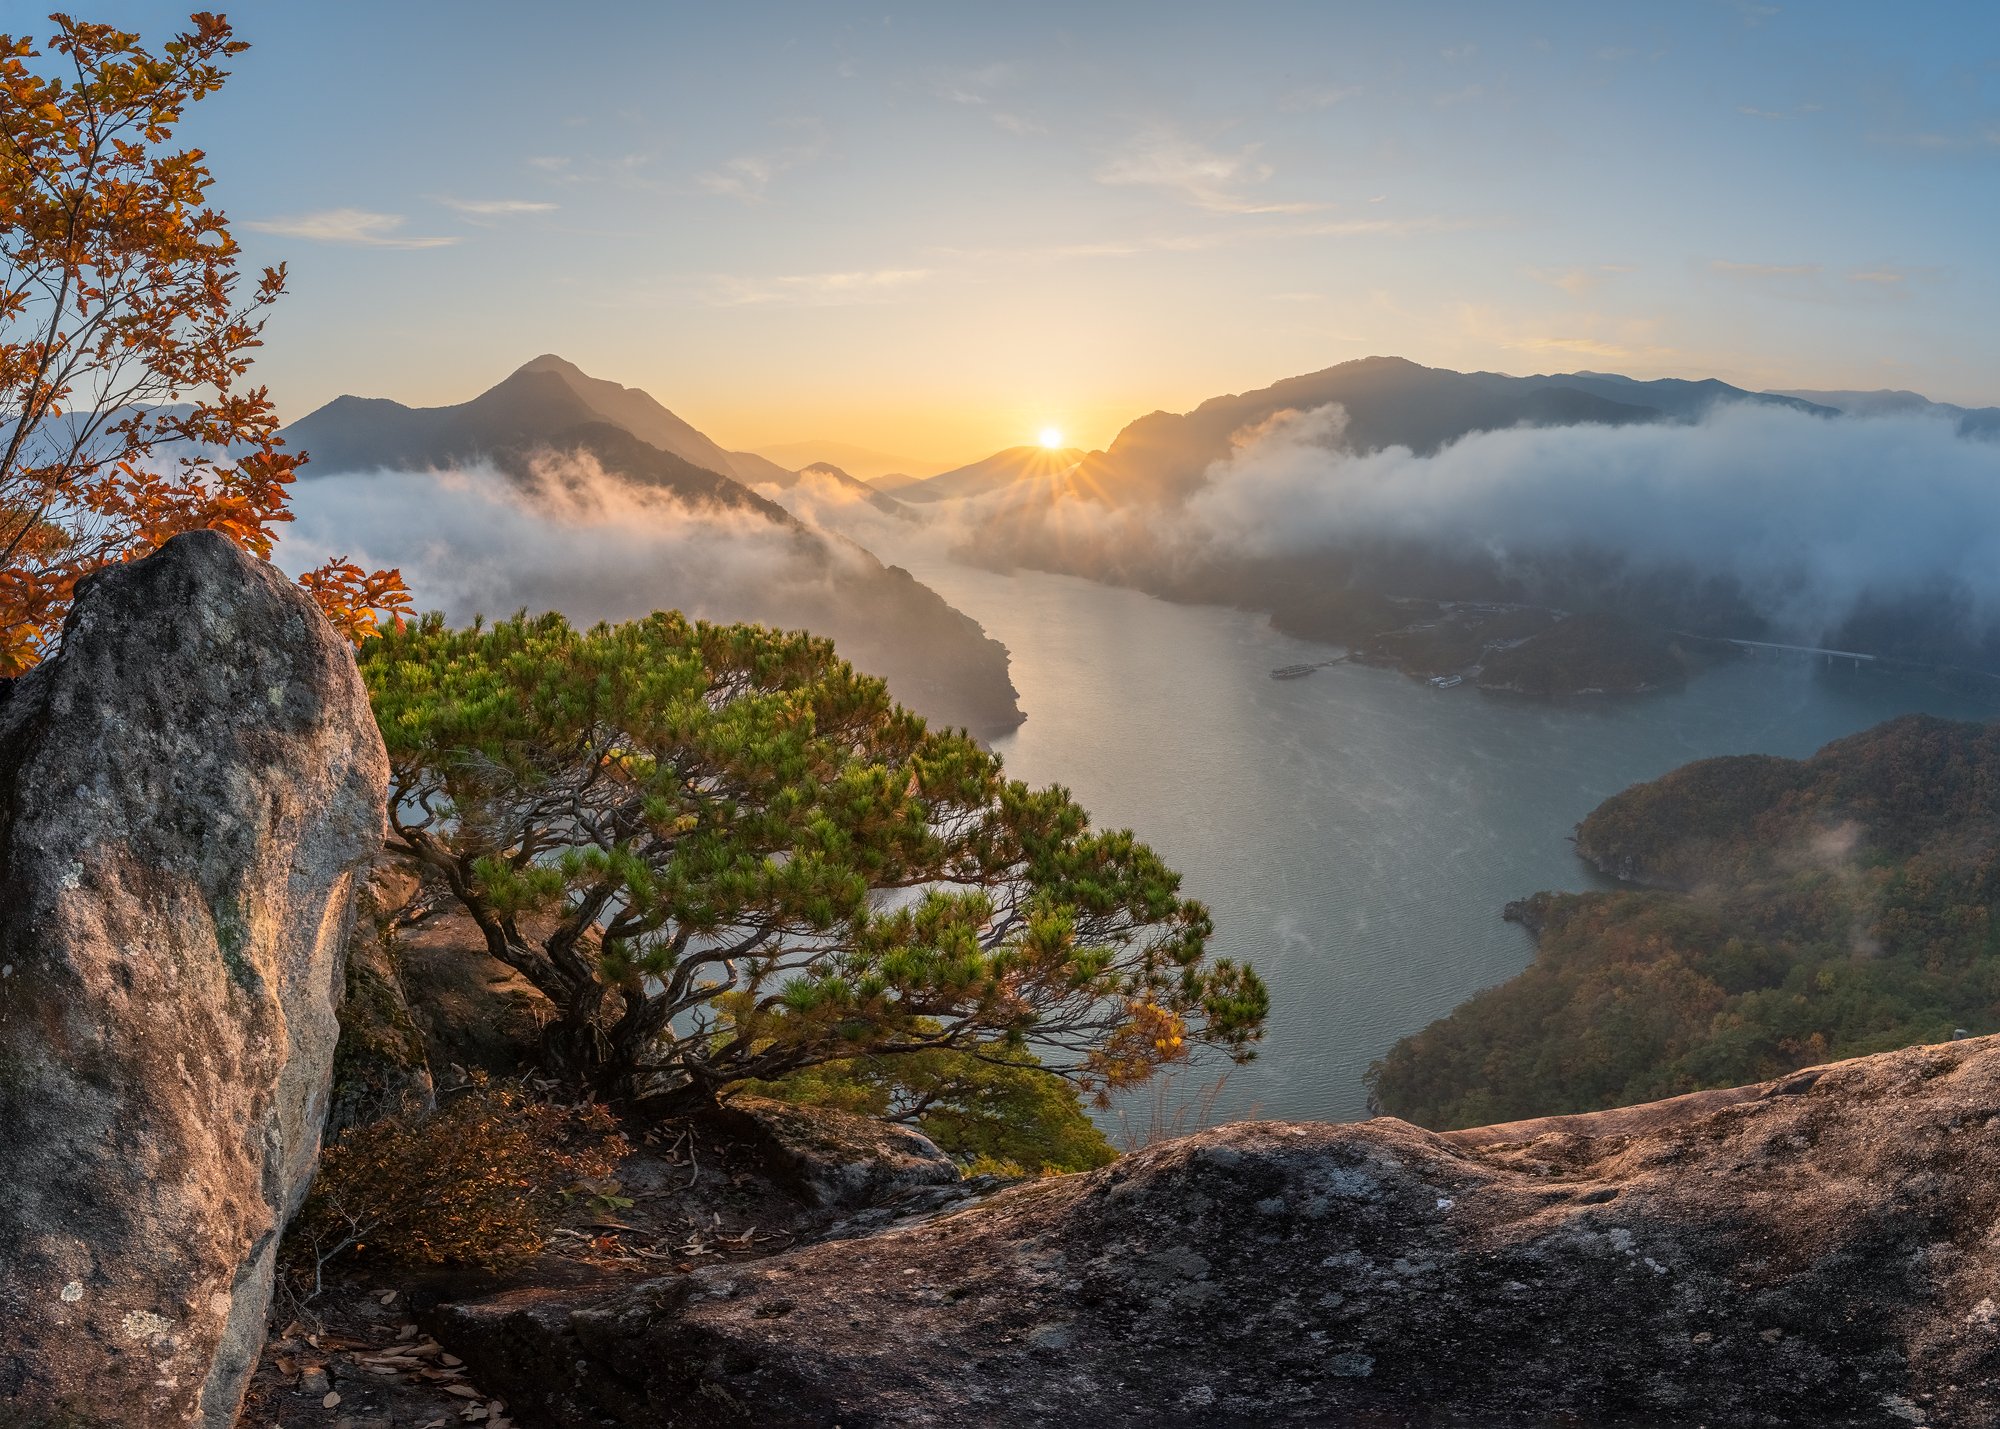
x,y
724,855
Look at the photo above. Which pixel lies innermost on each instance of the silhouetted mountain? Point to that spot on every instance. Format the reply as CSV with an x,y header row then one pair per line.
x,y
753,470
864,462
1126,515
557,434
860,490
1972,421
373,433
1004,469
1389,401
1669,396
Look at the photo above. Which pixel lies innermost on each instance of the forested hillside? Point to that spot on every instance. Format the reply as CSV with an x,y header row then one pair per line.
x,y
1788,912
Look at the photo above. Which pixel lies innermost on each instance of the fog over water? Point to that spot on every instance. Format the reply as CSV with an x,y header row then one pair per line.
x,y
1357,832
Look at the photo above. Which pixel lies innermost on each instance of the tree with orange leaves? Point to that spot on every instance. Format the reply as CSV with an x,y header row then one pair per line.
x,y
124,338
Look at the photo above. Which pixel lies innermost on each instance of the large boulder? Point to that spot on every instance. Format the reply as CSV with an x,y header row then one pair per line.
x,y
186,790
1820,1250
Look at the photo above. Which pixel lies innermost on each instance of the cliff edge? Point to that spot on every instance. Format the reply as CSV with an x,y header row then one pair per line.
x,y
1818,1249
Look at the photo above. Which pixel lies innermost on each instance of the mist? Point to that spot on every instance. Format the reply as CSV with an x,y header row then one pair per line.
x,y
478,542
1809,516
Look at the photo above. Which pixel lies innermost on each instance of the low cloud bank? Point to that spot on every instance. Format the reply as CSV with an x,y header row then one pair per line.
x,y
1809,516
569,538
1813,520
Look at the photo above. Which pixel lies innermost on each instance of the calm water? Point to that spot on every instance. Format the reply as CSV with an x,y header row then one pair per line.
x,y
1356,832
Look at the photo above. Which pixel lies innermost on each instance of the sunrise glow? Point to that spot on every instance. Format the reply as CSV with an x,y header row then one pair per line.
x,y
1051,438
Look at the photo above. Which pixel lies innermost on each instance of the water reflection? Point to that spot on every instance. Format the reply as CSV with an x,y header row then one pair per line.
x,y
1357,832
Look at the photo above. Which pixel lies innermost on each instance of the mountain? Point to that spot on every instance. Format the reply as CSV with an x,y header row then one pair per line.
x,y
1773,913
1389,401
1670,396
841,481
1045,469
1884,402
1160,509
895,481
864,462
607,469
638,413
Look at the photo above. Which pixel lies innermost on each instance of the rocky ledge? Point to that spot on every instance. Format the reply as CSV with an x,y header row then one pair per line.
x,y
1816,1250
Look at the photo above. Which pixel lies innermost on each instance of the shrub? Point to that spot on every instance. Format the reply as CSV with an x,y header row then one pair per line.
x,y
479,1182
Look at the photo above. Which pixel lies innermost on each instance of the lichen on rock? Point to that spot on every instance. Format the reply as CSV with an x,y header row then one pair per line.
x,y
1817,1250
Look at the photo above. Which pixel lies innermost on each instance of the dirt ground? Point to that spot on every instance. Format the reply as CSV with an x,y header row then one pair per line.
x,y
352,1355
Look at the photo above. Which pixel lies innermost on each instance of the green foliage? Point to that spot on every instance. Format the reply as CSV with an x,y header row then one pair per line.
x,y
1803,910
991,1108
724,855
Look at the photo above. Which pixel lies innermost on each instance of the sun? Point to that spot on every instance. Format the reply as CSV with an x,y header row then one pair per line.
x,y
1052,438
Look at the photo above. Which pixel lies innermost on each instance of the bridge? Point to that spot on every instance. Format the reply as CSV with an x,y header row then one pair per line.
x,y
1854,655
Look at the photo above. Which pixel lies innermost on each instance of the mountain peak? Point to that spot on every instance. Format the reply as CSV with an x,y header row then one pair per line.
x,y
551,362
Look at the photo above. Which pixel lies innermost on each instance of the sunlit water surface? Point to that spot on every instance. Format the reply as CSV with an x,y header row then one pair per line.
x,y
1356,832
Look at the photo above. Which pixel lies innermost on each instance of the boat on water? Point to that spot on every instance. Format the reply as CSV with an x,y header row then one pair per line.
x,y
1446,682
1292,672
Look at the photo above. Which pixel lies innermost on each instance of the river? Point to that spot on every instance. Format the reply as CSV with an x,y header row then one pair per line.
x,y
1356,832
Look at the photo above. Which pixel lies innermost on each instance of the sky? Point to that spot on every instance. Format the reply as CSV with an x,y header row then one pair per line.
x,y
935,231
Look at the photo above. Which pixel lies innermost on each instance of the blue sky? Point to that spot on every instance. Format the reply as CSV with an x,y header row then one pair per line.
x,y
936,230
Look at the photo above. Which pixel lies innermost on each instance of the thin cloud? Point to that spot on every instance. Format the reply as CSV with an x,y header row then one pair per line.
x,y
496,207
1938,143
1018,123
1578,282
746,177
967,86
623,170
1588,346
1812,283
1165,160
1765,270
1600,337
1225,238
355,227
815,289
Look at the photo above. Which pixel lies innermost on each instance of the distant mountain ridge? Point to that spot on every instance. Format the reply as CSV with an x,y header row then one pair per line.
x,y
1002,470
1972,421
1390,401
865,463
1366,586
